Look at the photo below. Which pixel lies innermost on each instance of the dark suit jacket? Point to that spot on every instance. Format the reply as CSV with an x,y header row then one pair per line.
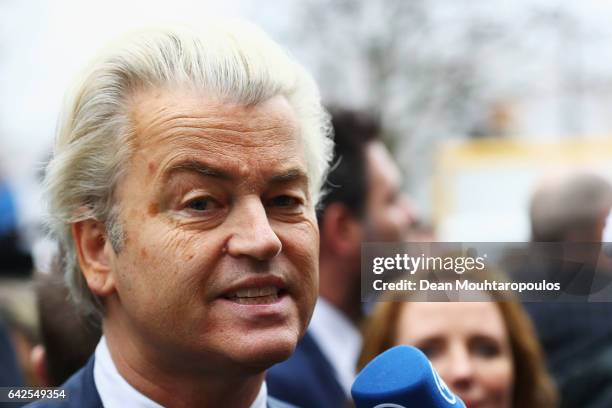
x,y
577,341
82,393
307,379
10,374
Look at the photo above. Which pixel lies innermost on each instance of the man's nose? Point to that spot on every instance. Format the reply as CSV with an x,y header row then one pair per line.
x,y
252,234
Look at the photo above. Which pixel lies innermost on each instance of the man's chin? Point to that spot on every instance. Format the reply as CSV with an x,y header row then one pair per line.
x,y
262,352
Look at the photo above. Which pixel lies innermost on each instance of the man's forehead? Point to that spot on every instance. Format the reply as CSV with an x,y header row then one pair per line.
x,y
159,113
180,131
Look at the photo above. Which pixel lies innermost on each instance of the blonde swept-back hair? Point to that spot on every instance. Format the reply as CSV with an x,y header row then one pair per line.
x,y
231,61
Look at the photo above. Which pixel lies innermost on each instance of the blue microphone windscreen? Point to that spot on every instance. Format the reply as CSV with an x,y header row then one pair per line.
x,y
402,377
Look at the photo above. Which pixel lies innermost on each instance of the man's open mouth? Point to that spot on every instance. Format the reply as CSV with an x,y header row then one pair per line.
x,y
256,296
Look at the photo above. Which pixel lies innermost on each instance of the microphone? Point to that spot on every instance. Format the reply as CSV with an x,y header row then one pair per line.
x,y
402,377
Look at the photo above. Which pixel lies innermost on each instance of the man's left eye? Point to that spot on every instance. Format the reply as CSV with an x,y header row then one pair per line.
x,y
285,201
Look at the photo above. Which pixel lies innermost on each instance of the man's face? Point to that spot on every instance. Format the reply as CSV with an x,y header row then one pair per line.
x,y
389,215
220,260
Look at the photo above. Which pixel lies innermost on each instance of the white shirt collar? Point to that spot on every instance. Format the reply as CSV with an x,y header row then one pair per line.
x,y
339,340
116,392
607,231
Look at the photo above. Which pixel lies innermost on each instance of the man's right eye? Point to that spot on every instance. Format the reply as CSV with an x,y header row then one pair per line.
x,y
202,204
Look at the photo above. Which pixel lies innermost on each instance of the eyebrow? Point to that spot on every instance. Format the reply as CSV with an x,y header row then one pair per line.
x,y
194,166
295,174
288,176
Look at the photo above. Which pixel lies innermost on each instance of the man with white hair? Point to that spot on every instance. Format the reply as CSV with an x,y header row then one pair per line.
x,y
570,209
183,189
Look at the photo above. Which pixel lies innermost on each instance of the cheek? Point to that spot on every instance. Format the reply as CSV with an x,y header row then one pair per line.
x,y
497,377
301,248
386,219
158,257
397,216
442,363
300,240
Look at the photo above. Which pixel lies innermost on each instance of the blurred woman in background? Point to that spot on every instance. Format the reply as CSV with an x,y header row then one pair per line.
x,y
486,352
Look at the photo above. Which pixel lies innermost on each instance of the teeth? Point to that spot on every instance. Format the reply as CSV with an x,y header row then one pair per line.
x,y
259,300
255,292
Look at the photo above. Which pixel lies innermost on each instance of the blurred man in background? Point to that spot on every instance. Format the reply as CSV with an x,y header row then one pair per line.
x,y
68,338
571,208
364,203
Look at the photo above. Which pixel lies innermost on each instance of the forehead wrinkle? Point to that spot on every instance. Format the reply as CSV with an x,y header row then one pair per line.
x,y
213,123
228,166
194,146
158,113
254,138
167,125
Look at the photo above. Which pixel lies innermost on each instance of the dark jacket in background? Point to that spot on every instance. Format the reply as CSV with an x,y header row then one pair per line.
x,y
10,373
577,342
307,379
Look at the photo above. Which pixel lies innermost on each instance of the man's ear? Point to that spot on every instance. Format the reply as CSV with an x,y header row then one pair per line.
x,y
93,250
341,231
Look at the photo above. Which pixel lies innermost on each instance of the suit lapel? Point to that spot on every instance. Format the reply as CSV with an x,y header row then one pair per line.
x,y
325,372
81,388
